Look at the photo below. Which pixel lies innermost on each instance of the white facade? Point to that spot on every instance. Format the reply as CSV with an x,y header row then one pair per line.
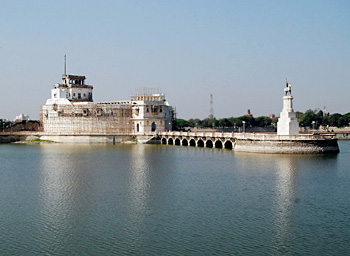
x,y
151,113
58,96
287,123
21,117
75,89
71,110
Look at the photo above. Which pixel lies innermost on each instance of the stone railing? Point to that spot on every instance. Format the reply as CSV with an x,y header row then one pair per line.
x,y
261,136
250,136
199,134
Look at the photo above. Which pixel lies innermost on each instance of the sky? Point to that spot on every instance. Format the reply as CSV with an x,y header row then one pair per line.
x,y
242,52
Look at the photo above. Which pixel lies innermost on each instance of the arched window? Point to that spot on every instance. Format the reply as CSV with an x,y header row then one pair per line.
x,y
137,127
154,126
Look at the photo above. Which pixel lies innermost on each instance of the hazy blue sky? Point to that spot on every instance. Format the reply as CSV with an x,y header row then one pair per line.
x,y
240,51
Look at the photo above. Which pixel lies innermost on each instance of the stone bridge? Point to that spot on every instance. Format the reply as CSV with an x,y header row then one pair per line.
x,y
199,139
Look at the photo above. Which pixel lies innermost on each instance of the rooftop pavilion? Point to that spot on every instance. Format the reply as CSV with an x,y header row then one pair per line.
x,y
148,94
73,81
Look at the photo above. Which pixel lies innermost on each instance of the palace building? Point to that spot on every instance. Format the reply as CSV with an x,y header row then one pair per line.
x,y
71,111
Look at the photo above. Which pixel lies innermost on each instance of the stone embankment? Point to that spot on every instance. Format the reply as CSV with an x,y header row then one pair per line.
x,y
288,144
10,137
255,142
239,142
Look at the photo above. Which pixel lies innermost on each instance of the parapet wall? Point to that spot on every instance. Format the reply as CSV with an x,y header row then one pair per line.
x,y
298,146
257,143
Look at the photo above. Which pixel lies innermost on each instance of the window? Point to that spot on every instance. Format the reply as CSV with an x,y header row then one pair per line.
x,y
147,110
55,95
154,126
79,96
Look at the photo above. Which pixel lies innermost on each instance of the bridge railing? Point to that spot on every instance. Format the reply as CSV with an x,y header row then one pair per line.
x,y
261,136
200,134
252,136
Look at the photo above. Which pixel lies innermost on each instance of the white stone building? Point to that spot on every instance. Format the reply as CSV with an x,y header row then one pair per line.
x,y
73,88
288,123
151,113
71,110
21,117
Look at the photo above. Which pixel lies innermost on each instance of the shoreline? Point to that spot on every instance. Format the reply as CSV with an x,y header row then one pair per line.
x,y
237,142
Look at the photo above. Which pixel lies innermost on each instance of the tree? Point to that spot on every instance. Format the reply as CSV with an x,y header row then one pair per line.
x,y
307,118
225,122
336,120
263,121
5,124
346,119
181,123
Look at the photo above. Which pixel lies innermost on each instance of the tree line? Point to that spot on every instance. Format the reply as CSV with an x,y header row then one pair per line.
x,y
5,124
311,118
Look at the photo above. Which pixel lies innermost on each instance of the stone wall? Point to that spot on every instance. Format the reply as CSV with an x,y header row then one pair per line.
x,y
25,125
9,138
287,146
88,119
88,139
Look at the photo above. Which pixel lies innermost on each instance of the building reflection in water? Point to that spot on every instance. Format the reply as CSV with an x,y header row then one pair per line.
x,y
290,195
286,193
139,180
64,191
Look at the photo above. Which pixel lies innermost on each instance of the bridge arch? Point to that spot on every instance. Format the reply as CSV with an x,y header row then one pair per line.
x,y
164,141
177,142
200,143
218,144
228,144
184,142
170,141
209,144
192,143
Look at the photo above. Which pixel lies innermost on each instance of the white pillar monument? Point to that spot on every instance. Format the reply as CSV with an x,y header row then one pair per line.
x,y
287,123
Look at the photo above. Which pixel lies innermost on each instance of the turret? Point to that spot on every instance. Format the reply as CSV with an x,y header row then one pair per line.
x,y
76,89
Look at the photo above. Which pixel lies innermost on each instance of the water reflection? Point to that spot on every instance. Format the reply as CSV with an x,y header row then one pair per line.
x,y
65,194
286,193
139,180
292,185
150,200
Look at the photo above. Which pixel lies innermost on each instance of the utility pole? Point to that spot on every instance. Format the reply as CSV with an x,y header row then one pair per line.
x,y
65,64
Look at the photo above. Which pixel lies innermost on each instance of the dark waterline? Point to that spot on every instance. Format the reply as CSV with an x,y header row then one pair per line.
x,y
168,200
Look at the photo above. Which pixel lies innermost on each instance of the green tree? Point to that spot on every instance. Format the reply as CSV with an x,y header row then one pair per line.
x,y
307,118
346,119
263,121
336,120
193,122
181,123
225,122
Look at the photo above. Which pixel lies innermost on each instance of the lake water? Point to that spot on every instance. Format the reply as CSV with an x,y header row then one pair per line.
x,y
169,200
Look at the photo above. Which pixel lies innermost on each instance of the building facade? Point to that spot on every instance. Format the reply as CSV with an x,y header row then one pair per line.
x,y
71,111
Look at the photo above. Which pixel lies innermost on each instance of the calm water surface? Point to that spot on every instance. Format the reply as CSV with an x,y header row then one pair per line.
x,y
168,200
